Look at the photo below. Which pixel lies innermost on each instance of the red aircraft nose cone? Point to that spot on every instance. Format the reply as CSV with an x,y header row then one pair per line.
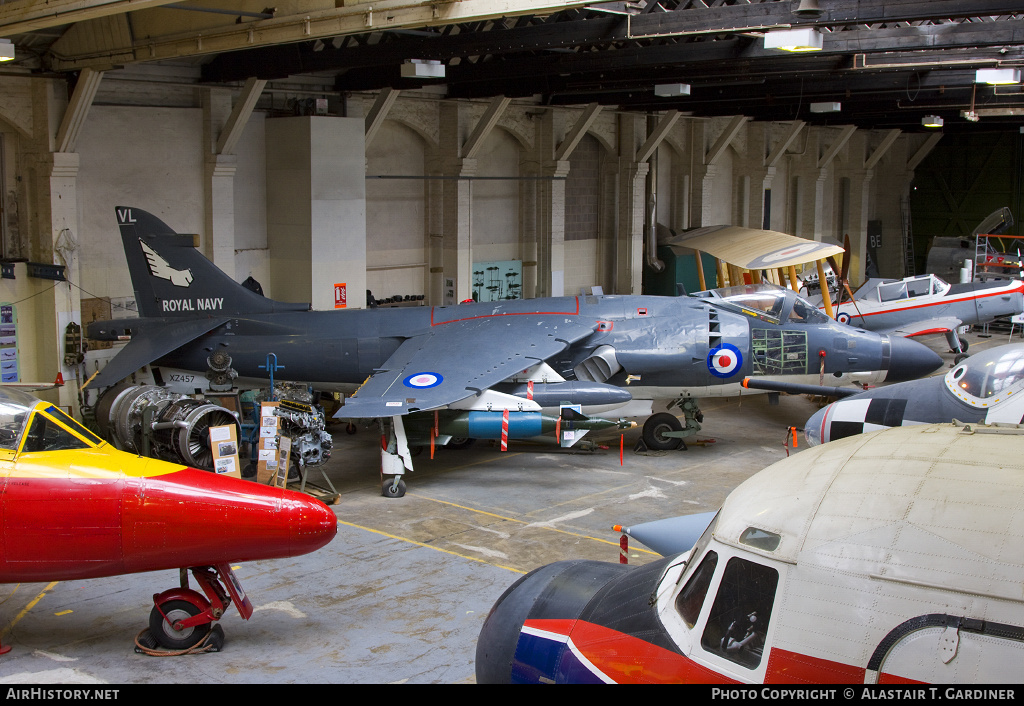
x,y
197,518
313,524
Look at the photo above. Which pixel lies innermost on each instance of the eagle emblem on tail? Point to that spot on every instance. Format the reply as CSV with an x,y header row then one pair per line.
x,y
158,267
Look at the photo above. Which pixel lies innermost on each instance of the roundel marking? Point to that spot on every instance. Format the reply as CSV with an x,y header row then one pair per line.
x,y
784,253
725,361
423,380
843,317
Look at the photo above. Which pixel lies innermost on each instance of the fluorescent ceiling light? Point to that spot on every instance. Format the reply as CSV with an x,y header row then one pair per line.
x,y
422,68
931,121
997,77
6,50
826,107
805,39
667,90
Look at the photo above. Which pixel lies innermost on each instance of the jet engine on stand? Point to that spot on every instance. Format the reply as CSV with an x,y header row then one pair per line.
x,y
152,421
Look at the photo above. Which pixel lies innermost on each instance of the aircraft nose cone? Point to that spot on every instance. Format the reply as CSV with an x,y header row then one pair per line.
x,y
909,360
191,517
556,591
496,644
313,524
813,428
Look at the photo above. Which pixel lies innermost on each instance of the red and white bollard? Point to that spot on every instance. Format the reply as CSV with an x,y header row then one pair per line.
x,y
623,545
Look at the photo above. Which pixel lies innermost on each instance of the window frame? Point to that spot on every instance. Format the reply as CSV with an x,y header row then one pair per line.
x,y
688,639
86,444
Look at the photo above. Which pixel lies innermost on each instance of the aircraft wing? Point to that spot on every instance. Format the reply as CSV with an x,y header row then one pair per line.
x,y
143,350
458,359
939,324
754,249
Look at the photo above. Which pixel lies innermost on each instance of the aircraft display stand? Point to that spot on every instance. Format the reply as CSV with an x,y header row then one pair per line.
x,y
274,458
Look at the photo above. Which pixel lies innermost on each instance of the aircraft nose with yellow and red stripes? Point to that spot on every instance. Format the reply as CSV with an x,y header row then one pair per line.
x,y
74,507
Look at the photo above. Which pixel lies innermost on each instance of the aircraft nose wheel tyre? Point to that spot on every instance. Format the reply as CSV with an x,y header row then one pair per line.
x,y
655,428
163,630
390,489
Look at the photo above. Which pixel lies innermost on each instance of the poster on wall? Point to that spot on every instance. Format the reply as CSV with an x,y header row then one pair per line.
x,y
8,344
499,280
340,295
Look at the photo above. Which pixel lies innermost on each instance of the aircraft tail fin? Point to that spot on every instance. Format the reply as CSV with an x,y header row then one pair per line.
x,y
172,278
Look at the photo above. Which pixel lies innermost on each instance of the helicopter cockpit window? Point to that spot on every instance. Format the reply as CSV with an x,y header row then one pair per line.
x,y
739,618
691,598
760,539
986,375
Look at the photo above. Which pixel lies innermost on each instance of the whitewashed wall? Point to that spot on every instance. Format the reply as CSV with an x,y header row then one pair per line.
x,y
153,158
396,213
251,204
148,158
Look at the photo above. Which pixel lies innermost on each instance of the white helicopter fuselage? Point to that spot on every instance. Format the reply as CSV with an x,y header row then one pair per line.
x,y
885,558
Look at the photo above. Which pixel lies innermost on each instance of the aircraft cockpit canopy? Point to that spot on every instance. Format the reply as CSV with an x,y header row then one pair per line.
x,y
909,288
987,377
28,424
770,301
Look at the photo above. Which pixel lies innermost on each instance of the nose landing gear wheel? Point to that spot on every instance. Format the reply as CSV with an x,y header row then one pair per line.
x,y
163,630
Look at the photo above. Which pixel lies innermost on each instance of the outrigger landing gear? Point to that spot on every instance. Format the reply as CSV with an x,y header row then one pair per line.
x,y
665,431
181,617
394,458
393,487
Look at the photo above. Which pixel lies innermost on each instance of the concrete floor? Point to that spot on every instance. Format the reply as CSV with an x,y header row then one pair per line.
x,y
400,595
